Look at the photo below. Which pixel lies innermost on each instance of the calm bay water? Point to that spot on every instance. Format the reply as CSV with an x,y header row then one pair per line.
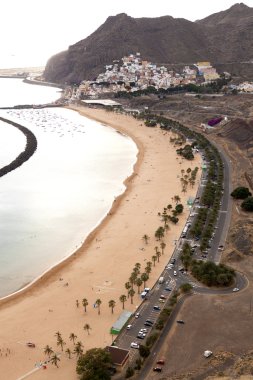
x,y
50,204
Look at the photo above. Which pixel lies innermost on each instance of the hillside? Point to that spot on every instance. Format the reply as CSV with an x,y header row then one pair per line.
x,y
164,40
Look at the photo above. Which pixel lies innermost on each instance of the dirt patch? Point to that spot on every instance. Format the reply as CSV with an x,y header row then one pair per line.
x,y
241,236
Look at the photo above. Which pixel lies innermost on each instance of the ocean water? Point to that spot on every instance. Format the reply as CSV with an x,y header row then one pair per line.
x,y
51,203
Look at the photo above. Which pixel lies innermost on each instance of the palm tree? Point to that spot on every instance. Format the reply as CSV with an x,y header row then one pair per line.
x,y
139,282
85,303
144,278
57,334
68,352
136,271
162,245
55,359
154,258
72,337
128,286
132,279
177,198
112,304
123,299
156,249
159,233
78,350
48,350
87,328
60,342
166,227
98,303
131,294
169,207
146,238
137,266
158,255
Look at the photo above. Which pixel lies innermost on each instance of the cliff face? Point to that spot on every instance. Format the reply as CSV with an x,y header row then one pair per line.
x,y
223,37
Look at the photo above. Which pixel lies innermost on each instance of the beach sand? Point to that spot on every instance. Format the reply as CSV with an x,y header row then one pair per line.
x,y
101,267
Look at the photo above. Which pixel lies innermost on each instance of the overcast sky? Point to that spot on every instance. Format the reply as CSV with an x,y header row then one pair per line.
x,y
36,29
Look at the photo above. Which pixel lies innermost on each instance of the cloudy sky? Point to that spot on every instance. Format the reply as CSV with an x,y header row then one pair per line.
x,y
33,30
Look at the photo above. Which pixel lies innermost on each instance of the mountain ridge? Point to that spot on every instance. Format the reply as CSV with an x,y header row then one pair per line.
x,y
162,39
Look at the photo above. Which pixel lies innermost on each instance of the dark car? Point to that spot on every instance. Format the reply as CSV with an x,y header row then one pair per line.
x,y
149,321
180,321
156,308
173,261
168,289
157,369
148,324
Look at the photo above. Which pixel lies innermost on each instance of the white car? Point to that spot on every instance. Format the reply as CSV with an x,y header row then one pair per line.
x,y
143,330
175,273
135,345
137,315
207,353
236,290
129,327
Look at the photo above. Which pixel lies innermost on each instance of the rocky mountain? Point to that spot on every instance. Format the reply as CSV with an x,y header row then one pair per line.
x,y
223,37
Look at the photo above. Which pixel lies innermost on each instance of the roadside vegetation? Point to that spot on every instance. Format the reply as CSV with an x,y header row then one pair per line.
x,y
243,193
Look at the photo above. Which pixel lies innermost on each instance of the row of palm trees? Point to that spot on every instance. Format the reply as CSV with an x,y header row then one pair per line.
x,y
54,358
98,303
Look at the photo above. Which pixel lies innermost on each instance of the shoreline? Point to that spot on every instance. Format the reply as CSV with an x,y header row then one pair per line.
x,y
101,266
55,268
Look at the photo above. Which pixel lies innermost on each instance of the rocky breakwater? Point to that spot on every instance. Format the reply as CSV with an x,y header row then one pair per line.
x,y
30,148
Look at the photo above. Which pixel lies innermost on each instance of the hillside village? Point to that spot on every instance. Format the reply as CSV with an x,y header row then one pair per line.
x,y
135,74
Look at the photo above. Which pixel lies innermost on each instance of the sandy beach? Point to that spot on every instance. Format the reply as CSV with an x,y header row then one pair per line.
x,y
101,267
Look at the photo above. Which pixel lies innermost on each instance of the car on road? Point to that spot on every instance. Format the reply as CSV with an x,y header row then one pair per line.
x,y
128,327
137,315
160,361
175,273
173,261
167,289
135,345
157,369
144,331
163,297
156,308
180,321
236,290
149,321
220,248
161,300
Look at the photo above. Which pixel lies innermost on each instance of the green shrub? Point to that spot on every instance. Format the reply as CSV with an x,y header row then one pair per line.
x,y
247,204
241,193
129,372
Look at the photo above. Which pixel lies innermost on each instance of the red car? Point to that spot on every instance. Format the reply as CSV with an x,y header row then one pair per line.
x,y
160,361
